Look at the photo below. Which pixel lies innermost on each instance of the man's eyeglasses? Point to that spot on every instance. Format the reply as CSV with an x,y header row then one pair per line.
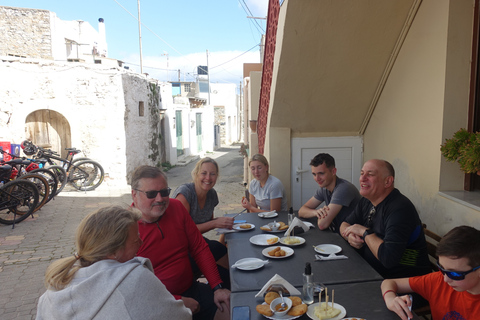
x,y
153,193
455,275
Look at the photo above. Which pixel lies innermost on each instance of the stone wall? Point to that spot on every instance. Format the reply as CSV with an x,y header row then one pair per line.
x,y
100,104
25,33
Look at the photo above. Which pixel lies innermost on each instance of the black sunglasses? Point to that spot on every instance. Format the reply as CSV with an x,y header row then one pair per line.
x,y
455,275
153,193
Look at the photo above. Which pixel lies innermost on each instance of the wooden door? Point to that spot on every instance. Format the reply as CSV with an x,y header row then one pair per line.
x,y
49,129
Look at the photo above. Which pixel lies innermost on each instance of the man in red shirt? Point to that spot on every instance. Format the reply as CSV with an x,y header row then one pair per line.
x,y
169,237
454,291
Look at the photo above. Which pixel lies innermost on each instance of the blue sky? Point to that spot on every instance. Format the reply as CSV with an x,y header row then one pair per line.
x,y
181,30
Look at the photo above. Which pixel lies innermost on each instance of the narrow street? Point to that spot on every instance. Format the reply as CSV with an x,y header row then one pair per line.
x,y
27,250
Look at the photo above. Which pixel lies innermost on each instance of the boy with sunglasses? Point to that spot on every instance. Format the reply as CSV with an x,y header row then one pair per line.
x,y
454,291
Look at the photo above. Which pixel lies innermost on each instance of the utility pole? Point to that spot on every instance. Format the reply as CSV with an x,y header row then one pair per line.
x,y
140,36
208,79
166,54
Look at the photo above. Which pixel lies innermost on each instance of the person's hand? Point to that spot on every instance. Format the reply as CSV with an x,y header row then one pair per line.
x,y
356,229
222,296
191,304
322,212
355,241
246,204
400,305
224,222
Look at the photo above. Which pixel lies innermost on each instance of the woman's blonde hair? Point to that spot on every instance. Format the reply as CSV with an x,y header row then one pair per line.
x,y
99,235
198,166
260,158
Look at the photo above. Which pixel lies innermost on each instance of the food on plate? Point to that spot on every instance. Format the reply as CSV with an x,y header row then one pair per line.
x,y
298,307
245,226
265,228
282,224
298,310
325,311
277,252
284,227
264,309
290,240
272,252
272,240
270,296
296,301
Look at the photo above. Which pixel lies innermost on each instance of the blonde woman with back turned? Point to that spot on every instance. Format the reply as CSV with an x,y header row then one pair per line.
x,y
104,279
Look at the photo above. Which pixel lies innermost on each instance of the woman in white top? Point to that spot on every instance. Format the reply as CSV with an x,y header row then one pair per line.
x,y
266,192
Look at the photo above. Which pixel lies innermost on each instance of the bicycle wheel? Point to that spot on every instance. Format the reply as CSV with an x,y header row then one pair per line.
x,y
80,159
51,179
61,175
42,187
17,196
86,175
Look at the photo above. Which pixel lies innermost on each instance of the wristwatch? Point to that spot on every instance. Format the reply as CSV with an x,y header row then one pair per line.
x,y
218,286
367,232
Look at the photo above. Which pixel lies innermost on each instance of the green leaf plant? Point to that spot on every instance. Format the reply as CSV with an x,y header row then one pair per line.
x,y
464,148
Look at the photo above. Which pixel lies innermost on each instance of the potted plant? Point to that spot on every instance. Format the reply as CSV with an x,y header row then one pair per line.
x,y
463,147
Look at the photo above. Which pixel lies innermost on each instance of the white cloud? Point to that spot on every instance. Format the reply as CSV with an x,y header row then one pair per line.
x,y
258,7
225,66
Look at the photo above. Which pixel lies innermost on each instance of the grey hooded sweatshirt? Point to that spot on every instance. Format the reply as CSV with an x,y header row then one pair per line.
x,y
112,290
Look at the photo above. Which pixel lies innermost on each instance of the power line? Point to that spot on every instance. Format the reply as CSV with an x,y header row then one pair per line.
x,y
236,56
251,14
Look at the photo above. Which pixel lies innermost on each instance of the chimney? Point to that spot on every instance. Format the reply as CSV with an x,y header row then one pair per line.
x,y
102,39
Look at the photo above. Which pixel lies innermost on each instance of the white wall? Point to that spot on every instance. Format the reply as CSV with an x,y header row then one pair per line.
x,y
99,103
224,94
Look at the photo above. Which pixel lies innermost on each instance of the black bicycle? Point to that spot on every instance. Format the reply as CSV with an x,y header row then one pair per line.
x,y
84,175
18,198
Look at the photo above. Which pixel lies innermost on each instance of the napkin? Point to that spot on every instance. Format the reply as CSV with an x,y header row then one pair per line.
x,y
267,214
276,279
305,225
249,263
332,256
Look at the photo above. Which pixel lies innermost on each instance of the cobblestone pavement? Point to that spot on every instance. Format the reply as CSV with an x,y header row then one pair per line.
x,y
27,250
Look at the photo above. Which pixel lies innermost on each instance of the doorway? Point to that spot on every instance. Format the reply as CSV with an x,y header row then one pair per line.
x,y
348,155
49,129
179,132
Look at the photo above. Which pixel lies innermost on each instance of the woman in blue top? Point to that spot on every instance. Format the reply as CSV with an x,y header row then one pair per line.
x,y
200,200
266,192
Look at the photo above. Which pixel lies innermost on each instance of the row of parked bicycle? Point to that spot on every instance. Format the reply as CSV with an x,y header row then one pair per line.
x,y
27,184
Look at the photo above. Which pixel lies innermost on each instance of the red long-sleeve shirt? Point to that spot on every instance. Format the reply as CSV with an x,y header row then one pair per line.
x,y
167,244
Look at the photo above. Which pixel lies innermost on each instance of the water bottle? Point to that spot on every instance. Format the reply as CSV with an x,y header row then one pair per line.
x,y
307,294
291,216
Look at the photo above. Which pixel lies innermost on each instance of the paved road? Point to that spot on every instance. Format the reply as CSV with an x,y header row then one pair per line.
x,y
27,250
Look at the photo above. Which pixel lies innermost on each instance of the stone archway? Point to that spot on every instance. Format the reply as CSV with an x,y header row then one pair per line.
x,y
49,129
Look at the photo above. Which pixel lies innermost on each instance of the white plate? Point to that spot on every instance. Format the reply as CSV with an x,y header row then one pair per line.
x,y
272,215
261,239
237,226
327,248
250,267
284,317
288,252
302,241
311,311
276,231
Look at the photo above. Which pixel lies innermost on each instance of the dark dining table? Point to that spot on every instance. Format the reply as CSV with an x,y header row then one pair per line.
x,y
361,300
356,283
353,269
